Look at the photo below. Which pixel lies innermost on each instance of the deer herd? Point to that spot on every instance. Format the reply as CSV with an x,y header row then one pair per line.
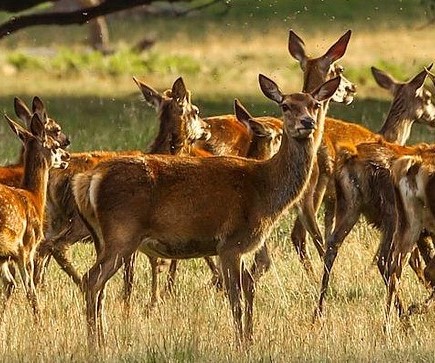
x,y
217,186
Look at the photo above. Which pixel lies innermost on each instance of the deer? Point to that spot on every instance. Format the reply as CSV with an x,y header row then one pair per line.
x,y
413,177
182,214
12,174
396,128
362,180
177,115
22,209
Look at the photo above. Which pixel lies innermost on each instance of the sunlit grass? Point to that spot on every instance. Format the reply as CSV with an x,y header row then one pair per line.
x,y
100,108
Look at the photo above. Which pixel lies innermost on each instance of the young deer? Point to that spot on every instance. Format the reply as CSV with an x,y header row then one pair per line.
x,y
414,179
362,174
396,128
22,209
195,207
179,127
12,174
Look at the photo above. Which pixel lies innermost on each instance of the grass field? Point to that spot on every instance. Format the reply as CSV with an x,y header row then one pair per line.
x,y
219,57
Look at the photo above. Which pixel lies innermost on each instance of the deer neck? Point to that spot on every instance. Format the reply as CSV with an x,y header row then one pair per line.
x,y
288,171
397,126
35,177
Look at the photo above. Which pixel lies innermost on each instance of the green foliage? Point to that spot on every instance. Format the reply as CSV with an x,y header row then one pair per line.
x,y
70,62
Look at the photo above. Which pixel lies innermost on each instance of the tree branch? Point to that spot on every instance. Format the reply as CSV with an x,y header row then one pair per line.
x,y
74,17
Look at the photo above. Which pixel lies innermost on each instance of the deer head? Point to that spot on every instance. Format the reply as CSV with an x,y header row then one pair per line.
x,y
318,70
410,98
179,118
52,128
300,110
267,135
48,147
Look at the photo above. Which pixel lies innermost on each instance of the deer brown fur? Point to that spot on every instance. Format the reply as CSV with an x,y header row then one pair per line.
x,y
414,179
178,117
194,207
363,185
22,209
409,105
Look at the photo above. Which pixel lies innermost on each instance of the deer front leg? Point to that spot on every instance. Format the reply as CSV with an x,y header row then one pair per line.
x,y
347,215
248,283
128,280
231,270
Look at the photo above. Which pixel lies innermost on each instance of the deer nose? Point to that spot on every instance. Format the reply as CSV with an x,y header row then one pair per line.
x,y
308,123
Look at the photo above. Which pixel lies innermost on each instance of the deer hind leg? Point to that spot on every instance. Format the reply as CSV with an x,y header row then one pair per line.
x,y
62,243
397,262
109,261
216,280
231,270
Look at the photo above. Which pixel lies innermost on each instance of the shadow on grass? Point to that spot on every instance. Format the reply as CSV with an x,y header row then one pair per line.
x,y
96,123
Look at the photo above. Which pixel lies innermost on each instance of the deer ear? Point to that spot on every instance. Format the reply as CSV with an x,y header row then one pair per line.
x,y
296,47
418,81
241,113
384,80
270,89
20,131
22,112
179,90
326,90
431,75
151,96
338,49
37,126
38,105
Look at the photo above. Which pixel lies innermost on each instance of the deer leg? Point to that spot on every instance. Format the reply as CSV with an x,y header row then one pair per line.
x,y
128,280
94,282
417,264
248,283
154,282
62,243
171,277
25,266
9,284
216,279
396,266
231,270
261,262
347,215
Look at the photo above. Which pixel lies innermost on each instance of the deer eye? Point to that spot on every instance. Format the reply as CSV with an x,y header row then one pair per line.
x,y
317,105
340,69
285,107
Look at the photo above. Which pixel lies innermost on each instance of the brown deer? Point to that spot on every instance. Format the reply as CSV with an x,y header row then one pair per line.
x,y
22,209
184,135
414,181
178,117
362,178
12,174
195,207
396,128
